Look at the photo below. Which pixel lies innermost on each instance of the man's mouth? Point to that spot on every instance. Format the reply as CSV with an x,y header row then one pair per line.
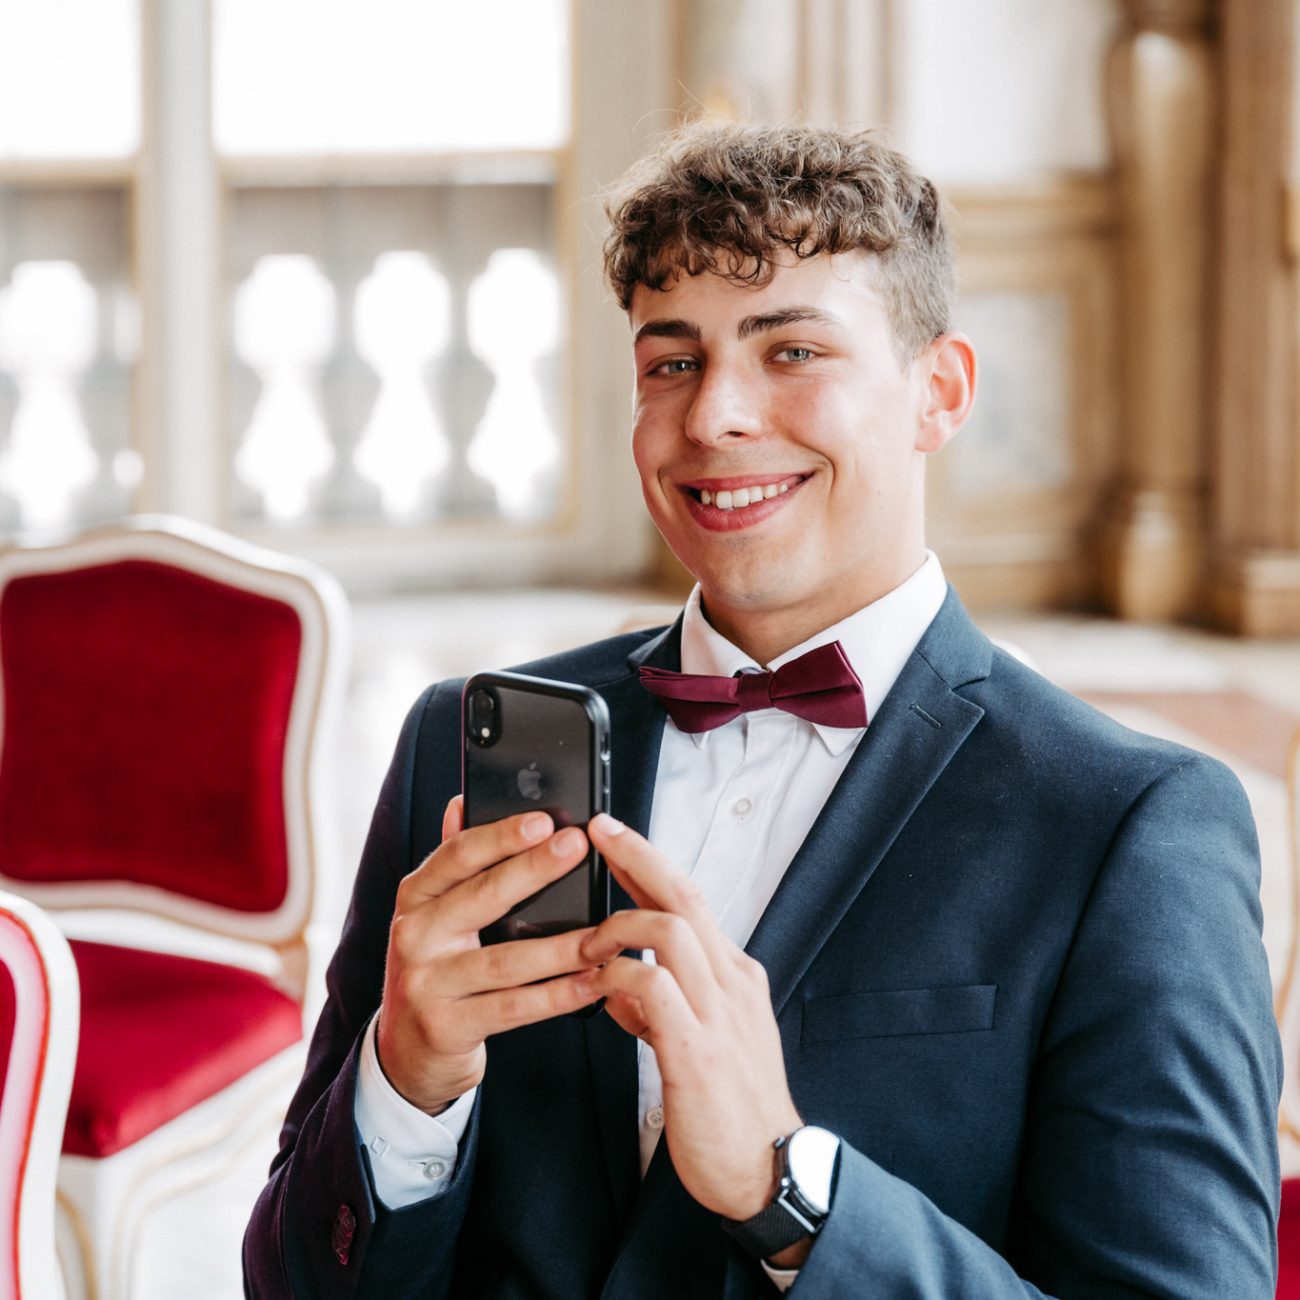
x,y
728,504
736,494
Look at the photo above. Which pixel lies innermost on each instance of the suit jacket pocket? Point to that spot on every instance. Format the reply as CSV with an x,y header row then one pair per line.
x,y
896,1012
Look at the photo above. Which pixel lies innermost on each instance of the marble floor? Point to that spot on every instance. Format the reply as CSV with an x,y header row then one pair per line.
x,y
1237,700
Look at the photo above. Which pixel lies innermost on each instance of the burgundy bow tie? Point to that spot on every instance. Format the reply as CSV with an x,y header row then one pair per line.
x,y
820,686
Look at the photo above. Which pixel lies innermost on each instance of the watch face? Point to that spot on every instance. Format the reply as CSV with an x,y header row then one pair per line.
x,y
811,1160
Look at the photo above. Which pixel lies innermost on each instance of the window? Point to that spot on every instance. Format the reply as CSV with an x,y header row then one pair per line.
x,y
324,272
69,134
394,343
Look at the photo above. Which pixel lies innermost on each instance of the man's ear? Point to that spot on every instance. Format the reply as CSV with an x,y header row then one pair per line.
x,y
950,371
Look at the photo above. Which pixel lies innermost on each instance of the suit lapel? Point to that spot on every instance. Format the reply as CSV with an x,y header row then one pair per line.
x,y
919,727
636,727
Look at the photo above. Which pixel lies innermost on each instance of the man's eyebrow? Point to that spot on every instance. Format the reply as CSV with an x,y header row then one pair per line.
x,y
775,320
676,328
668,329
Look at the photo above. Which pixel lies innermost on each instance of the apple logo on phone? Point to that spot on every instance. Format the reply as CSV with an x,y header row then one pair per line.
x,y
530,782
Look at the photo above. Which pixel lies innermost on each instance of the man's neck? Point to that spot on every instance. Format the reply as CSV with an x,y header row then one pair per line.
x,y
761,638
764,635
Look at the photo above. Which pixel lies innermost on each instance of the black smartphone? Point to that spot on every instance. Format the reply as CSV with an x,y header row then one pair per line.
x,y
536,745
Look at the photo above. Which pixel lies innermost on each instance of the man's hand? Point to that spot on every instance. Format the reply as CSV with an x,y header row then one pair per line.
x,y
706,1010
443,992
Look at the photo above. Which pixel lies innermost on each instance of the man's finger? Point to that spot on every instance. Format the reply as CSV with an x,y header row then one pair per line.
x,y
468,852
514,964
489,895
656,885
676,947
627,1014
453,817
665,1011
494,1013
420,933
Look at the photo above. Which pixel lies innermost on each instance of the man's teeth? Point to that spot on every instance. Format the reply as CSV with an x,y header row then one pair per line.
x,y
740,497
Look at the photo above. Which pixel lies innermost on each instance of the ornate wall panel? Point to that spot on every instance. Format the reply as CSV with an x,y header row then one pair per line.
x,y
1014,500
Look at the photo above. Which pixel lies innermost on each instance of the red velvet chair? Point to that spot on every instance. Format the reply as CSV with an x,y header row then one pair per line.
x,y
163,690
1288,1226
1288,1242
38,1044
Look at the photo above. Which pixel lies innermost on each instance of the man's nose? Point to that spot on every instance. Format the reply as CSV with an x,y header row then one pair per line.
x,y
725,406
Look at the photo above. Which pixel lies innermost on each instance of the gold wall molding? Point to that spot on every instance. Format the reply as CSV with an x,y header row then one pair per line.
x,y
1054,208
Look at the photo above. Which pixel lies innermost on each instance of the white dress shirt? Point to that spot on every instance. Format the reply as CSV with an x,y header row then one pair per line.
x,y
731,808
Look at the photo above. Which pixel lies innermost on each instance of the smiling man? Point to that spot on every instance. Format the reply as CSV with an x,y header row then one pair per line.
x,y
930,982
780,440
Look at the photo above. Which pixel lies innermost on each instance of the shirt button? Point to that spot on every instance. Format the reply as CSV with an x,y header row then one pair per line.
x,y
741,807
655,1117
434,1169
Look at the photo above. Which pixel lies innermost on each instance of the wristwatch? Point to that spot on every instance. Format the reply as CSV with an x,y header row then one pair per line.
x,y
806,1163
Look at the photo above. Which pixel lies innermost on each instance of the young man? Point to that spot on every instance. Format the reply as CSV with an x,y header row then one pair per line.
x,y
956,987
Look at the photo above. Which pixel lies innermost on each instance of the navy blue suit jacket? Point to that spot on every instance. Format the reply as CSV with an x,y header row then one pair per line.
x,y
1016,966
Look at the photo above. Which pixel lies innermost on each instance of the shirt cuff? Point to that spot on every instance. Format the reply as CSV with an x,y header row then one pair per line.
x,y
782,1278
412,1153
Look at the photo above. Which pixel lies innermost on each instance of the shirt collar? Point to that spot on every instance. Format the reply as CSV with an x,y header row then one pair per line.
x,y
878,639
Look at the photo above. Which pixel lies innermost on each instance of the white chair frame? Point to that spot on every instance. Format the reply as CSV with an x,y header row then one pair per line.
x,y
103,1202
38,1081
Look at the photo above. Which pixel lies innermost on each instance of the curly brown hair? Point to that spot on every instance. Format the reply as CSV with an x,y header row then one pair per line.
x,y
733,199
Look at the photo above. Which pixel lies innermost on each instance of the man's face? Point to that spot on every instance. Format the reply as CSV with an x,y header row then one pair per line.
x,y
790,395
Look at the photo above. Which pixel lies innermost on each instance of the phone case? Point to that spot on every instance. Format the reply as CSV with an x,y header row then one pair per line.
x,y
540,745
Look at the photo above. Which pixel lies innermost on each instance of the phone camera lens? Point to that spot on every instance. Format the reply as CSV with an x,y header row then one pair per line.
x,y
482,719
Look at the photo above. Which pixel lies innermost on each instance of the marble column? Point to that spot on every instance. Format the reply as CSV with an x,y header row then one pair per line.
x,y
1255,573
1162,103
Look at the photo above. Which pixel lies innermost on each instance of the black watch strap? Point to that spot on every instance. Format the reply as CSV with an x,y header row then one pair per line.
x,y
787,1218
773,1229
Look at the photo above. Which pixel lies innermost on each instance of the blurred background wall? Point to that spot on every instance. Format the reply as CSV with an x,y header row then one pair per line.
x,y
327,275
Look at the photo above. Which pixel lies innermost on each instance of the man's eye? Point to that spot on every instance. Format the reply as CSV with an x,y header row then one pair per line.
x,y
796,354
673,366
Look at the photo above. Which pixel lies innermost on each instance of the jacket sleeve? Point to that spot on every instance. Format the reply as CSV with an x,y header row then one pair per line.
x,y
318,1230
1149,1158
